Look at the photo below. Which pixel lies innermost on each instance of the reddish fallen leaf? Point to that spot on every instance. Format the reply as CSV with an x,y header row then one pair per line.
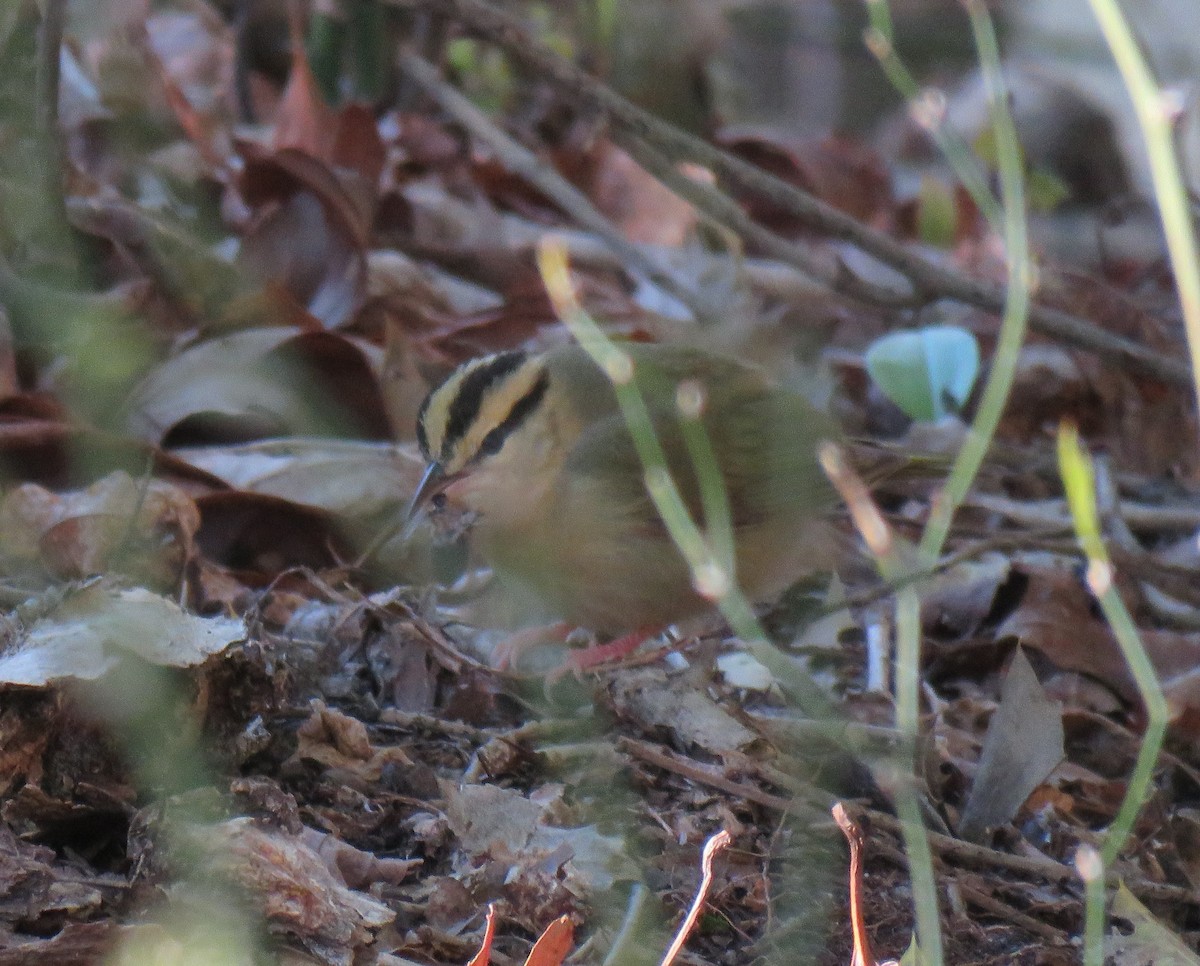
x,y
357,145
553,945
274,176
858,926
640,205
304,121
512,192
139,527
840,170
483,957
296,248
716,844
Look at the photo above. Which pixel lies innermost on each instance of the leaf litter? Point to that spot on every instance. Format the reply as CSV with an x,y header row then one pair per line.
x,y
349,762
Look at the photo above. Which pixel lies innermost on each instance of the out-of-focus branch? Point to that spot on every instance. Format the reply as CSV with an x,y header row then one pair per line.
x,y
46,84
930,279
520,160
720,207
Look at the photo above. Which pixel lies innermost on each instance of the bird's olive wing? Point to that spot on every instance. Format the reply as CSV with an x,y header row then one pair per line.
x,y
763,441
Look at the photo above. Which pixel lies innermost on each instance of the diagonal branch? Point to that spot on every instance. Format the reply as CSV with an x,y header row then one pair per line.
x,y
522,161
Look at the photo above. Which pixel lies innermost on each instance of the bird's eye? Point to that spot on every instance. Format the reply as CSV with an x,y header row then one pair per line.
x,y
493,442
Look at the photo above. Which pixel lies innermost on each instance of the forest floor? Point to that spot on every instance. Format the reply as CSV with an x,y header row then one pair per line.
x,y
223,735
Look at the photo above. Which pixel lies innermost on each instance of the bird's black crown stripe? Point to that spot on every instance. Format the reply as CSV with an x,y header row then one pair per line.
x,y
494,440
422,436
466,403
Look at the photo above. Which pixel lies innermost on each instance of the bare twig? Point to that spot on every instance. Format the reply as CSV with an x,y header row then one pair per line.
x,y
706,775
1052,513
46,84
730,214
49,47
930,279
981,898
969,854
520,160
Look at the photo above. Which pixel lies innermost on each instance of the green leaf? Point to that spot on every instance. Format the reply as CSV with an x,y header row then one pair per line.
x,y
928,372
1046,190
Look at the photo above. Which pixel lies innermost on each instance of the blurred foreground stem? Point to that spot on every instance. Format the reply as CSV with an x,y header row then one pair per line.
x,y
1155,111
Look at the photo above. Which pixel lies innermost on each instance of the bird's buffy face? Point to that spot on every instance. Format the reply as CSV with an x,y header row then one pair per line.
x,y
485,433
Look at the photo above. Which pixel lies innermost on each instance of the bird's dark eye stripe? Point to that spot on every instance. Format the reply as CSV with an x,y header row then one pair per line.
x,y
471,391
494,441
422,436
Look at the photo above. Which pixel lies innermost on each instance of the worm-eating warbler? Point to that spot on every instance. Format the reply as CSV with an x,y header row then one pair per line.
x,y
537,449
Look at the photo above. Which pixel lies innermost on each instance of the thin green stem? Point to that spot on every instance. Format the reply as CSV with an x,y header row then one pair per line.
x,y
920,871
1016,307
1157,714
1091,870
1078,477
970,457
1154,111
928,109
908,662
714,495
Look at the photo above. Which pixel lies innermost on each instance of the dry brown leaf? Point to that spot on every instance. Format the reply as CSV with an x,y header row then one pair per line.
x,y
643,208
77,942
297,893
1150,943
84,636
340,744
303,121
1024,744
1056,617
262,536
346,477
263,382
356,868
840,170
271,178
959,599
145,527
293,249
515,831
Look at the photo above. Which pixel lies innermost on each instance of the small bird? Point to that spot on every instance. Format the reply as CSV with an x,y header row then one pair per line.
x,y
536,449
